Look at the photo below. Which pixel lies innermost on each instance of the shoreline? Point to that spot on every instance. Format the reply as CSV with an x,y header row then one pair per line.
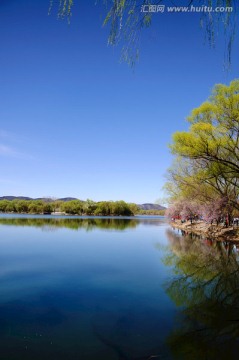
x,y
213,231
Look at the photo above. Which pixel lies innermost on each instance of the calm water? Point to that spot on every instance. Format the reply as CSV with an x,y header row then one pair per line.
x,y
93,288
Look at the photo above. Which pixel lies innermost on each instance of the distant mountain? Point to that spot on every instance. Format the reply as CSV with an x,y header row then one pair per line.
x,y
45,199
67,199
10,198
151,207
15,197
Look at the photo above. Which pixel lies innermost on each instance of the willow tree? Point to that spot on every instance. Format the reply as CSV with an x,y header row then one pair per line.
x,y
127,18
207,166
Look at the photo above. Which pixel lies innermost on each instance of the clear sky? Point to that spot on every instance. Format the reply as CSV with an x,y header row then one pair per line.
x,y
74,121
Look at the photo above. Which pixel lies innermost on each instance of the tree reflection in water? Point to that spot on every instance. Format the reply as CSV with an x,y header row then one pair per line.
x,y
206,287
54,223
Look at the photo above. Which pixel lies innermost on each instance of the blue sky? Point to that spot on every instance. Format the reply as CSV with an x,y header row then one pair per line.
x,y
74,121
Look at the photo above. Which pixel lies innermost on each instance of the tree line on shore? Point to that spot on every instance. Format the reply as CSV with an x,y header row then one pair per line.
x,y
204,178
74,207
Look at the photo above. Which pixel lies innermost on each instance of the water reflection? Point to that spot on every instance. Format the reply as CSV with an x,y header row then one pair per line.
x,y
53,223
120,352
81,294
206,288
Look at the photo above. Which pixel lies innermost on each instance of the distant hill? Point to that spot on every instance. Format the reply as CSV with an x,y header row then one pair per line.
x,y
151,207
10,198
68,199
15,197
44,199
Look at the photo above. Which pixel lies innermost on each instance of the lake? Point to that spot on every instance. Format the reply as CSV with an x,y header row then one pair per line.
x,y
115,289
